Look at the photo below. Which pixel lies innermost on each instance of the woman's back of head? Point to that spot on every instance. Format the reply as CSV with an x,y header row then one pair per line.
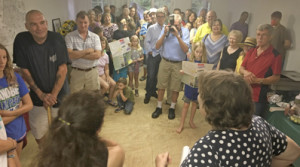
x,y
226,99
72,139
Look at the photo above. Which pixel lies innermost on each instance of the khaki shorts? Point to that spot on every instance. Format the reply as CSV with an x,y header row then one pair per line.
x,y
84,80
168,73
38,120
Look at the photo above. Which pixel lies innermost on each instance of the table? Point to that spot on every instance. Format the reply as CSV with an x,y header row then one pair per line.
x,y
282,122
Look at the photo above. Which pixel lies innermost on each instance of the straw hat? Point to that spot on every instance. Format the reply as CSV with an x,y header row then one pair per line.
x,y
249,41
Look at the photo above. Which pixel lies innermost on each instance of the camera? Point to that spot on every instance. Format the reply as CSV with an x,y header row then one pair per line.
x,y
171,23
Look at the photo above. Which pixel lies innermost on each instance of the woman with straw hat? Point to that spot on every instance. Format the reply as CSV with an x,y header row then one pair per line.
x,y
247,45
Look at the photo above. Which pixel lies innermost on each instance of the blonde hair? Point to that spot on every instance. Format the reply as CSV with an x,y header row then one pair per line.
x,y
237,34
137,38
198,20
203,57
104,39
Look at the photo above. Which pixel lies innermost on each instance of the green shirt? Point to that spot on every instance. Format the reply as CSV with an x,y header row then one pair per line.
x,y
128,94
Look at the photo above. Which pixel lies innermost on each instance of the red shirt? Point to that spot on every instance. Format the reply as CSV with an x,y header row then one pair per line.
x,y
266,65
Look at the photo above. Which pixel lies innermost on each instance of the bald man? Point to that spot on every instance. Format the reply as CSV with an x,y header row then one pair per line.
x,y
206,27
42,56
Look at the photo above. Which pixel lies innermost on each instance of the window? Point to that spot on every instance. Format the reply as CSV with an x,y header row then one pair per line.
x,y
146,4
97,3
196,5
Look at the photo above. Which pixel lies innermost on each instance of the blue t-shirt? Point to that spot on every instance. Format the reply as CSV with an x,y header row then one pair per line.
x,y
190,92
10,97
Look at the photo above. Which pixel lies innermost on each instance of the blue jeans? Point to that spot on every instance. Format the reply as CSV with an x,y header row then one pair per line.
x,y
127,105
152,70
260,108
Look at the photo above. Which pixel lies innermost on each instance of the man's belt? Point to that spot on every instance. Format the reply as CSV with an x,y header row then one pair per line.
x,y
85,70
172,61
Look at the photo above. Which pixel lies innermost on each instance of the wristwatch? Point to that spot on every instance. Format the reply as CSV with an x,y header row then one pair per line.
x,y
11,156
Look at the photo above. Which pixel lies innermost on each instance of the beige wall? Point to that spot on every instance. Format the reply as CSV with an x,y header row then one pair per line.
x,y
227,10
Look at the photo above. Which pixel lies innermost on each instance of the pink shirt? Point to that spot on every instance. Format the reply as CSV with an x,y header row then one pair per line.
x,y
102,62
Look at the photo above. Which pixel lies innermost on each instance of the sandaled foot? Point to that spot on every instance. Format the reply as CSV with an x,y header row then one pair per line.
x,y
192,125
143,78
112,103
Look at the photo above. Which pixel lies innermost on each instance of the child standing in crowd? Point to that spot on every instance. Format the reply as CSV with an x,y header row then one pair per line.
x,y
106,82
13,91
190,94
99,32
137,60
124,96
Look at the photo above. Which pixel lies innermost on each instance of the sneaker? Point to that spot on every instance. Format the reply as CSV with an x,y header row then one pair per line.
x,y
171,114
136,92
143,78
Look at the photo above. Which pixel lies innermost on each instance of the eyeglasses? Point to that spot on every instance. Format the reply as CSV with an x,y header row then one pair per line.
x,y
160,16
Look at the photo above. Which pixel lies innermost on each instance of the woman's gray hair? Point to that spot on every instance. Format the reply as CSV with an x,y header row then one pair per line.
x,y
161,10
177,17
267,27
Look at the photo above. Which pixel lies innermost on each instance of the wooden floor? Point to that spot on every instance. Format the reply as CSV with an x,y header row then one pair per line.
x,y
142,137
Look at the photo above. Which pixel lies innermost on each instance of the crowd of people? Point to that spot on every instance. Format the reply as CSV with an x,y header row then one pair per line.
x,y
159,42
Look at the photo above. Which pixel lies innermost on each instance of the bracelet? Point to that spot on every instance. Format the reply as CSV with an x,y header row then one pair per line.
x,y
11,156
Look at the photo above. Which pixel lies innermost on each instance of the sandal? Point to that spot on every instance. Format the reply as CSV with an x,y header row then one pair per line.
x,y
143,78
110,102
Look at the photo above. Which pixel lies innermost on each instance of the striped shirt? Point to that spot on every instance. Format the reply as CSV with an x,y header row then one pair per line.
x,y
214,48
75,42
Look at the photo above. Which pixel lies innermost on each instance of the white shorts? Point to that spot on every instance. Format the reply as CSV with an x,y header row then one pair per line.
x,y
38,120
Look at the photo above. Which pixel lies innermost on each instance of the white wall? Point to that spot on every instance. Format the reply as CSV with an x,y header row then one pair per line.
x,y
260,12
50,8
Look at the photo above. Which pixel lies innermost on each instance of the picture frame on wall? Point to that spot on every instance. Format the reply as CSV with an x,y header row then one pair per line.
x,y
56,24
